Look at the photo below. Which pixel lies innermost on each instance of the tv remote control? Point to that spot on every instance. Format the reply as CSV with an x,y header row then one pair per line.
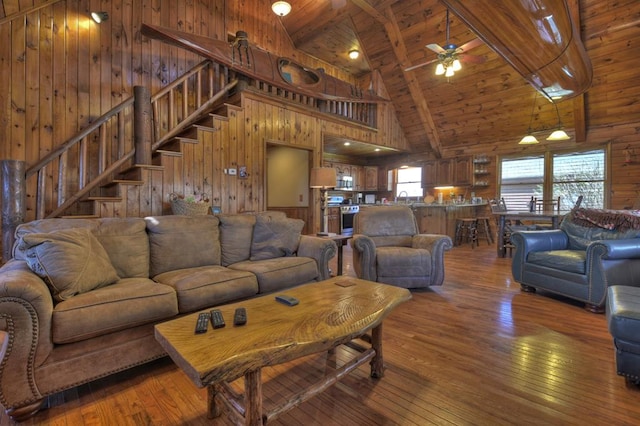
x,y
240,317
287,300
202,323
216,319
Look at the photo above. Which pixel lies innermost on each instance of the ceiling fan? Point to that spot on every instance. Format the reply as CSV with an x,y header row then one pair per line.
x,y
450,56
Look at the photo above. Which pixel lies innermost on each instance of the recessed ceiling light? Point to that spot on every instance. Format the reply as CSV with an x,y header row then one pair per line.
x,y
347,143
353,54
377,149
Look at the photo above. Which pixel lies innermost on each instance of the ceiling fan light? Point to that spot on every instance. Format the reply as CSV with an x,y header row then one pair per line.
x,y
528,140
457,66
558,135
440,69
281,8
450,72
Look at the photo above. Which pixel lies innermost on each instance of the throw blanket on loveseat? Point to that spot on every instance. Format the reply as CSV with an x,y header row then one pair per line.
x,y
619,220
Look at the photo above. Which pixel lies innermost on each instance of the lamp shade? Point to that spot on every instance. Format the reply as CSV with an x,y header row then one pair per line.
x,y
323,178
528,140
558,135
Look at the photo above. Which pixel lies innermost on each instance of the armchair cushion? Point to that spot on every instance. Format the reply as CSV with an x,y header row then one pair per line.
x,y
402,261
71,261
567,260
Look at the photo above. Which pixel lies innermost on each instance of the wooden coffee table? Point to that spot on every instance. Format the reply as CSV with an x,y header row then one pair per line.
x,y
330,313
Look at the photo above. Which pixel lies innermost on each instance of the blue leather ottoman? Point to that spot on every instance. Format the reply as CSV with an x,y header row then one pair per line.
x,y
623,320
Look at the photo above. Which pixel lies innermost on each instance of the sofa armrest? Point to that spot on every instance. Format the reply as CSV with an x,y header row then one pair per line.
x,y
26,308
611,262
437,245
618,249
322,250
364,257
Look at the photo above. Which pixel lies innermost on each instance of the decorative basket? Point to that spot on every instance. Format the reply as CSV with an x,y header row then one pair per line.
x,y
180,206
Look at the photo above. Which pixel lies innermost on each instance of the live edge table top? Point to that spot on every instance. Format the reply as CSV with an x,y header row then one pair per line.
x,y
328,314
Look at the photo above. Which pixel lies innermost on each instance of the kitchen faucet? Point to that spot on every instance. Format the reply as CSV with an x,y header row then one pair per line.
x,y
406,194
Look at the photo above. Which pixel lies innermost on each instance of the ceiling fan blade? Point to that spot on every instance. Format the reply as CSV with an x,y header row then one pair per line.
x,y
473,59
469,45
420,65
436,48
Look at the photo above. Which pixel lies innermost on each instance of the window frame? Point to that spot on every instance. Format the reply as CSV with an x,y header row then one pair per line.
x,y
547,186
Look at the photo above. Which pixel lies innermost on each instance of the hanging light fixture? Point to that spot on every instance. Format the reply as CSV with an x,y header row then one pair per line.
x,y
558,134
529,139
281,8
448,61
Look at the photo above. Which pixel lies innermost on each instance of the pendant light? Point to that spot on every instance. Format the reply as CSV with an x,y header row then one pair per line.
x,y
558,134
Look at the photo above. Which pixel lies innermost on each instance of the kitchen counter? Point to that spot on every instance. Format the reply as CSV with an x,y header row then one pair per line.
x,y
441,218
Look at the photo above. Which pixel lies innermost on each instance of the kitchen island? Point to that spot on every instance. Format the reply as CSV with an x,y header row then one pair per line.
x,y
441,218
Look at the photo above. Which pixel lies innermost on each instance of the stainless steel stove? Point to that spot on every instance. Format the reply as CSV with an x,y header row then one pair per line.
x,y
347,215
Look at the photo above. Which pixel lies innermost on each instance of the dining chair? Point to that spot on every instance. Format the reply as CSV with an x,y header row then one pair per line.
x,y
543,205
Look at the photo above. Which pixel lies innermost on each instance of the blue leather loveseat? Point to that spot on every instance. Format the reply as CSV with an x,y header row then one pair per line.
x,y
592,250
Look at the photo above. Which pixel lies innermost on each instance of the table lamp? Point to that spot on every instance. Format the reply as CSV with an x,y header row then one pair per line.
x,y
323,178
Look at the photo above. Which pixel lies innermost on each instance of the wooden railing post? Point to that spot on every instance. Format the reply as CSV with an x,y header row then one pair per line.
x,y
14,190
142,124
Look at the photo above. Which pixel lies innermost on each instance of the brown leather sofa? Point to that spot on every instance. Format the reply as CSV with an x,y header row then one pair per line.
x,y
100,285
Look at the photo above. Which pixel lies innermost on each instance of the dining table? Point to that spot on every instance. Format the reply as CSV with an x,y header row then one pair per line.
x,y
518,215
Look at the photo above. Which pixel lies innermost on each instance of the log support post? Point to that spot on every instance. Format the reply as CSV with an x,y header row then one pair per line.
x,y
13,202
142,124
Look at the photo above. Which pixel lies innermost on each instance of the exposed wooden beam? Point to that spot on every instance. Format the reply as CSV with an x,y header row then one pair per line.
x,y
579,108
372,11
417,94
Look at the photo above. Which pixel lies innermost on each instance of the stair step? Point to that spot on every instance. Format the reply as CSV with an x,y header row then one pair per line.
x,y
80,216
169,153
218,116
103,199
205,128
184,139
123,182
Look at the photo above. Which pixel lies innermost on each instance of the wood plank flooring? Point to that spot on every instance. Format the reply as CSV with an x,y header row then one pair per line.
x,y
475,351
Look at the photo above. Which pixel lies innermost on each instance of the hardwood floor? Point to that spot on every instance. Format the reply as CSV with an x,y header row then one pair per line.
x,y
474,351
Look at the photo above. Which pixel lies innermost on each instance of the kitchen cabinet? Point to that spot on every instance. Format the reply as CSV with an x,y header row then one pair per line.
x,y
445,172
462,171
429,174
385,179
370,178
333,219
358,178
431,220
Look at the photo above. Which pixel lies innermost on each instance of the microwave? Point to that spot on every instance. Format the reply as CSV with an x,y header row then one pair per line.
x,y
345,183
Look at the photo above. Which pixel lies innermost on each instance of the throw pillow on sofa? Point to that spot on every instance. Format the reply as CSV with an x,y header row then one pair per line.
x,y
275,237
71,261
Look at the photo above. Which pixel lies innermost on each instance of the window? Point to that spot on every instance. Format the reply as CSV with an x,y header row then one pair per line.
x,y
409,182
567,175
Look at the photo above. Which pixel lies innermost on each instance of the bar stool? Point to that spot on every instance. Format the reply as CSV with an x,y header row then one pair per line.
x,y
483,227
466,230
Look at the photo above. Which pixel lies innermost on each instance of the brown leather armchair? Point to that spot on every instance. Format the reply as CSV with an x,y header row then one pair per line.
x,y
388,248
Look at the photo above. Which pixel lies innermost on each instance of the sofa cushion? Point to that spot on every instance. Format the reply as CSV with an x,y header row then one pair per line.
x,y
125,241
180,242
207,286
236,231
403,262
566,260
275,237
71,261
281,272
43,226
125,304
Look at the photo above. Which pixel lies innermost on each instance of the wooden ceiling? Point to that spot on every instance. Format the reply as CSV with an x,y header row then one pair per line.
x,y
483,103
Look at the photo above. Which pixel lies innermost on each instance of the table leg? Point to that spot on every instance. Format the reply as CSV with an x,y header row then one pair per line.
x,y
213,409
253,398
377,364
339,259
501,249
